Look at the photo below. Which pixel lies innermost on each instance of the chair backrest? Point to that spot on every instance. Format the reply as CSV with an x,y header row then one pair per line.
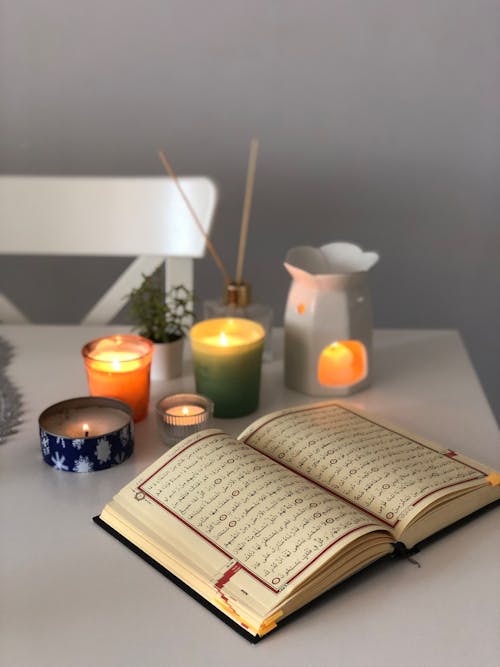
x,y
144,217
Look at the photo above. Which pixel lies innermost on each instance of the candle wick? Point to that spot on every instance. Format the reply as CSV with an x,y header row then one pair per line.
x,y
86,433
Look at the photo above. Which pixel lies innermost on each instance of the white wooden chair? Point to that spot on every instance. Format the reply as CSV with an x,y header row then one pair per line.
x,y
143,217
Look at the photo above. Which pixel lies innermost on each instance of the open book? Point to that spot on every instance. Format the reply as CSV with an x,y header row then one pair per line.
x,y
260,525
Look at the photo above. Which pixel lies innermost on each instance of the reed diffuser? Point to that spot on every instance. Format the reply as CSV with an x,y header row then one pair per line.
x,y
236,300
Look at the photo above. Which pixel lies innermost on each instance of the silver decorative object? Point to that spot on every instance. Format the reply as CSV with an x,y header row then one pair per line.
x,y
11,409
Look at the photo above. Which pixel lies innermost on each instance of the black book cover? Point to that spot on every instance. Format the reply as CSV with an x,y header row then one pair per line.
x,y
400,552
176,580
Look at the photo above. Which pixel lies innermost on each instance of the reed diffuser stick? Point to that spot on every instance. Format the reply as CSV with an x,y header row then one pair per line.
x,y
211,248
247,204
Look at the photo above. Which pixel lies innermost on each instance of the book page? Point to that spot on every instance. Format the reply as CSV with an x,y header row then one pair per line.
x,y
384,471
272,522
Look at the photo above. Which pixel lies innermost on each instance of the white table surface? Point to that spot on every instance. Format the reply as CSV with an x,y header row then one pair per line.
x,y
70,595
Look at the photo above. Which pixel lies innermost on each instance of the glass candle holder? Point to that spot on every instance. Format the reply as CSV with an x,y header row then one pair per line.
x,y
227,358
118,367
237,302
180,415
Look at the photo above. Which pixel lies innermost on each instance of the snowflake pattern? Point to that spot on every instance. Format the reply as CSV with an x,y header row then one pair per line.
x,y
120,457
103,450
58,462
124,435
87,454
83,464
45,442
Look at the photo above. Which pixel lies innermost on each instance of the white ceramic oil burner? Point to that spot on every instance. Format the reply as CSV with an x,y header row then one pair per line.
x,y
328,321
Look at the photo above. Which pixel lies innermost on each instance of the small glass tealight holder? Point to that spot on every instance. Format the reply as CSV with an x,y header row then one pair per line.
x,y
180,415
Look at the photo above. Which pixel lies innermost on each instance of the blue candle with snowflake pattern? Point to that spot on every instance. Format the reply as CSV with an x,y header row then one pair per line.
x,y
86,434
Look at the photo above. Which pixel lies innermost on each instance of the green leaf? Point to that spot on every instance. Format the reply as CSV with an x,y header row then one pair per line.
x,y
159,315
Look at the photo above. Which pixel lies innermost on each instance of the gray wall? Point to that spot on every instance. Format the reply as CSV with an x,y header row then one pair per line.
x,y
379,123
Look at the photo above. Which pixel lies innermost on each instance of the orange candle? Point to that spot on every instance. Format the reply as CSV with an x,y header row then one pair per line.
x,y
118,367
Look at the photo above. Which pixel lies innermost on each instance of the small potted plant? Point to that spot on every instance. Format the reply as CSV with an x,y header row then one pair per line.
x,y
164,317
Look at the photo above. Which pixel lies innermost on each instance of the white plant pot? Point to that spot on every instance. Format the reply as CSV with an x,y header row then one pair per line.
x,y
167,360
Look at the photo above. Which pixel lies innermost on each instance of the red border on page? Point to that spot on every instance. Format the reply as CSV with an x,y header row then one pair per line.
x,y
219,548
284,465
372,421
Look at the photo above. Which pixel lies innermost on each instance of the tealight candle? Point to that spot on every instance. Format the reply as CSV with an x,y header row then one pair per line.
x,y
86,434
118,367
227,356
188,413
179,415
341,364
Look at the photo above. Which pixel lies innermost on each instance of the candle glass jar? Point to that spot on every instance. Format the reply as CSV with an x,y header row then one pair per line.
x,y
237,303
227,358
180,415
118,367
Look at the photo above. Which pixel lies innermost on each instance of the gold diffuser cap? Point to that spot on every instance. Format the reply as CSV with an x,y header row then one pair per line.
x,y
237,294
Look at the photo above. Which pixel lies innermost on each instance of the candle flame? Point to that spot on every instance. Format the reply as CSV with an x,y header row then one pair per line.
x,y
116,364
341,353
223,339
85,429
185,410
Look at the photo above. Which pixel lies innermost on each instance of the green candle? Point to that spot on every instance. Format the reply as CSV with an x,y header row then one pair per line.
x,y
227,356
